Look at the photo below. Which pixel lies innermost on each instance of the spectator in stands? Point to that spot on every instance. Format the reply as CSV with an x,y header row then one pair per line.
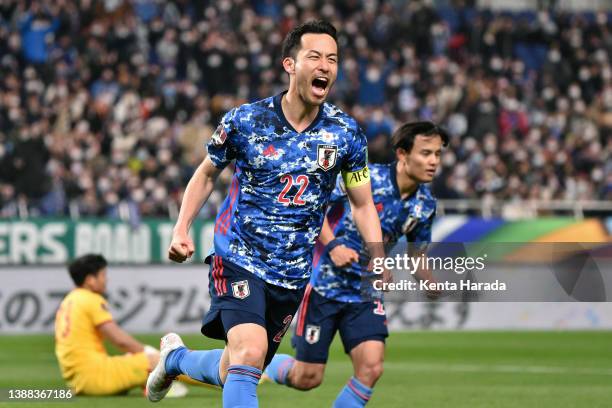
x,y
105,106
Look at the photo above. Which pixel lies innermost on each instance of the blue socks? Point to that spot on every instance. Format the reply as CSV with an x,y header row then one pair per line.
x,y
279,368
353,395
200,365
240,390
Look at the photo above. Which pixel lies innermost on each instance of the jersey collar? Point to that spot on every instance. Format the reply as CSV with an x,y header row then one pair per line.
x,y
279,111
396,189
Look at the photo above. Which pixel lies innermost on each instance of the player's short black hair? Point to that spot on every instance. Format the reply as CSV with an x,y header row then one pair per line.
x,y
85,265
293,39
405,135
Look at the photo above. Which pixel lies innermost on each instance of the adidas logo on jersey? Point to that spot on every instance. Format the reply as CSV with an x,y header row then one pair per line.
x,y
270,151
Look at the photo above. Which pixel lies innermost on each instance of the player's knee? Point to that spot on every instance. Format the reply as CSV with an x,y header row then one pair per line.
x,y
368,373
308,380
251,355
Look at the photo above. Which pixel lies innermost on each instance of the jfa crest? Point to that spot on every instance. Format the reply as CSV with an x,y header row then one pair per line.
x,y
241,289
218,138
417,210
312,334
326,156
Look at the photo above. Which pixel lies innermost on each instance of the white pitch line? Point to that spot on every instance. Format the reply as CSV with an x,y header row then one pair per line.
x,y
504,369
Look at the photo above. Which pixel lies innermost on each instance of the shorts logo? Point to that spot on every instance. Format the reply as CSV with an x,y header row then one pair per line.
x,y
312,334
241,289
218,138
326,156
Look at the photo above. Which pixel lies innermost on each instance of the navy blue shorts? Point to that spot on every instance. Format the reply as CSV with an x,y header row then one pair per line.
x,y
319,318
238,296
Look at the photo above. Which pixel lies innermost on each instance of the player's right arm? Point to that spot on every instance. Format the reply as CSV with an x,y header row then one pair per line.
x,y
119,337
197,192
220,153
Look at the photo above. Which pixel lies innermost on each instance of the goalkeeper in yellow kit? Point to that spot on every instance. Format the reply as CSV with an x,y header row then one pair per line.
x,y
82,323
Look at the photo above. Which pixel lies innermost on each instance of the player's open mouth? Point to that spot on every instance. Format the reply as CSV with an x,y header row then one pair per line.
x,y
319,85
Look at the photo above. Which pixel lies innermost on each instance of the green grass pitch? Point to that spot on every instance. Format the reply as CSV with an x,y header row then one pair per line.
x,y
422,369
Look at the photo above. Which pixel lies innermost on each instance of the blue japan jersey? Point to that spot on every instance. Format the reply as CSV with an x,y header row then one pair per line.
x,y
283,180
412,217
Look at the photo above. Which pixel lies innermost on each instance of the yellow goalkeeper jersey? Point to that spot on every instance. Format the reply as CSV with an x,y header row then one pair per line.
x,y
77,342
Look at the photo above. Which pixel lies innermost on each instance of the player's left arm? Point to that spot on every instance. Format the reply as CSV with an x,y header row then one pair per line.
x,y
356,177
367,221
365,214
119,337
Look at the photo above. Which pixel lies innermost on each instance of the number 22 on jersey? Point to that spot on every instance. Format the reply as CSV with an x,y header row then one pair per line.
x,y
301,182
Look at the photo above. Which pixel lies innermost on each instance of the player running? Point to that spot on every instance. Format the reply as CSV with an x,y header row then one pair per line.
x,y
288,151
81,322
334,300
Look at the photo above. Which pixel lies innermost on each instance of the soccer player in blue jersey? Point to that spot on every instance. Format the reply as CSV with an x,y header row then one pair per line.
x,y
337,298
288,150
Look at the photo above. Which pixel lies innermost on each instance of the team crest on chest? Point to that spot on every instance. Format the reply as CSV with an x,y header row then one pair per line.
x,y
313,333
240,289
417,210
326,156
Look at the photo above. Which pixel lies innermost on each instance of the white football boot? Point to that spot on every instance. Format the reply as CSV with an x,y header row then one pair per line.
x,y
159,383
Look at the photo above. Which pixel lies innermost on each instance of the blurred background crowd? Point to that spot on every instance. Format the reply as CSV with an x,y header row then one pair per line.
x,y
105,106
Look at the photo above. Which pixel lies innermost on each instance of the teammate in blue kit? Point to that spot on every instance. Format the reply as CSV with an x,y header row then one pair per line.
x,y
288,150
339,297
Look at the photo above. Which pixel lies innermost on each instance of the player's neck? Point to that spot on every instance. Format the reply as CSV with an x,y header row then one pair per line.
x,y
85,287
406,184
299,114
89,288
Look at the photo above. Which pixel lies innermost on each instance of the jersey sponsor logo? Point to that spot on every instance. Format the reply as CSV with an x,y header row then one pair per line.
x,y
356,178
313,333
240,289
326,156
218,138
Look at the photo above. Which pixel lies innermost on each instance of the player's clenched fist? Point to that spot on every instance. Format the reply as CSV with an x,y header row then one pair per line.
x,y
343,256
181,248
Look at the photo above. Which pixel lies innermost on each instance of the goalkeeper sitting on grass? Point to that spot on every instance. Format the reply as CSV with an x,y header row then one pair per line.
x,y
82,322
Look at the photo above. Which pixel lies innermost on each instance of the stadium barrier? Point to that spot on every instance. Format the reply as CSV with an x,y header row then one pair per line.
x,y
55,241
490,208
159,298
40,241
147,294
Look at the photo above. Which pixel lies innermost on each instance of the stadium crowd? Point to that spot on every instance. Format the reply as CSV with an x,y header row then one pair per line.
x,y
105,105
